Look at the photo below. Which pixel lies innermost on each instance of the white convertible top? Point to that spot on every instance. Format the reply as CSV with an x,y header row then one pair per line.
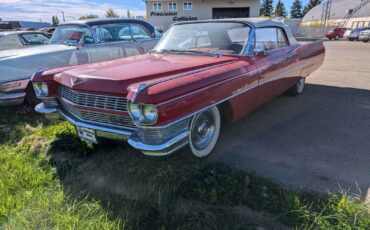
x,y
255,22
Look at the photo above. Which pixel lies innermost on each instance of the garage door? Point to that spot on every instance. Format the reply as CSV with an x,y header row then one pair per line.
x,y
239,12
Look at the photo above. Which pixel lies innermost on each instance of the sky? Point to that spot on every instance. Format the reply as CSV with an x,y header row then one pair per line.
x,y
43,10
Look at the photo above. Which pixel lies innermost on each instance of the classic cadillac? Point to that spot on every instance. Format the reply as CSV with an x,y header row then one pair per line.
x,y
72,43
199,75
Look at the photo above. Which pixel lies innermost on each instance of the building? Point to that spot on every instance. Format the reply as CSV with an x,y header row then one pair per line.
x,y
162,13
344,13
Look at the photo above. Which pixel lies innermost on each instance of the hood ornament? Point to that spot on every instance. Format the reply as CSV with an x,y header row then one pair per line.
x,y
77,81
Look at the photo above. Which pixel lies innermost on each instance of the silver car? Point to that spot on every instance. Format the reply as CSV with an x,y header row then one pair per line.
x,y
72,43
364,35
20,39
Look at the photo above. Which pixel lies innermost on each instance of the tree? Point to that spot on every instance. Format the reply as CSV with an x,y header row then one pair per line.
x,y
111,14
311,4
296,9
54,21
280,10
128,13
90,16
267,8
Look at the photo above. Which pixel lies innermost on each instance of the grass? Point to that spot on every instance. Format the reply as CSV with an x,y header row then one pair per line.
x,y
49,179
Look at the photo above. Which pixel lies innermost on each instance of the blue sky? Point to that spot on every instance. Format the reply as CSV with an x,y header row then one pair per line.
x,y
36,10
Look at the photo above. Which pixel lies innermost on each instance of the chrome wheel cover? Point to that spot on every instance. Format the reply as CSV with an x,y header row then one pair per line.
x,y
204,131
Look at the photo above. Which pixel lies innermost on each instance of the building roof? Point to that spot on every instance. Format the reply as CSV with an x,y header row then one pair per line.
x,y
339,9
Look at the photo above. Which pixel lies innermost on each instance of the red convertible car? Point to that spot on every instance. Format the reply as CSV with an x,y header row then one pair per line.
x,y
199,75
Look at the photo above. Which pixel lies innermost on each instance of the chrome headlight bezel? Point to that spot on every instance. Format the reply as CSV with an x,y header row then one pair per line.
x,y
41,89
143,114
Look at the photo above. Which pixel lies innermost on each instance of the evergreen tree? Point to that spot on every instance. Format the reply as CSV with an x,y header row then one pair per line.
x,y
311,4
267,8
90,16
54,21
111,14
280,10
128,13
296,9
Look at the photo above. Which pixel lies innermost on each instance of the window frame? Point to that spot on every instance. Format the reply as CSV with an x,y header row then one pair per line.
x,y
253,39
24,41
143,28
106,25
187,3
173,4
155,6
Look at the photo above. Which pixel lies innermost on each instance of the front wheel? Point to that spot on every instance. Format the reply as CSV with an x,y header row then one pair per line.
x,y
298,87
204,132
336,37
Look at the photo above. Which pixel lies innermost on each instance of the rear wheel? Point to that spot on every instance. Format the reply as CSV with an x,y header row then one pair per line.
x,y
336,37
204,132
298,87
364,40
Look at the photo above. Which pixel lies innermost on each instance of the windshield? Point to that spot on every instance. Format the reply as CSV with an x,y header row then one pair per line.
x,y
71,34
215,37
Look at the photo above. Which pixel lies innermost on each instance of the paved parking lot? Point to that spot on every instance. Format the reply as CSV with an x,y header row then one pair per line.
x,y
318,140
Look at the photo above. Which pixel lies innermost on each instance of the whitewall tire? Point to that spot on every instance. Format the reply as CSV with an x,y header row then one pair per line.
x,y
204,132
298,88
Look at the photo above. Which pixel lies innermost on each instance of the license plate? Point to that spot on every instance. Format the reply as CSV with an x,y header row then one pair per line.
x,y
87,134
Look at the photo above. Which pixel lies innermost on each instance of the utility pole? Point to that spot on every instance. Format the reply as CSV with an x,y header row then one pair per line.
x,y
64,19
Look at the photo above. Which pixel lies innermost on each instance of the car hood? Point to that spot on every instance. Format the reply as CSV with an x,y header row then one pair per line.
x,y
35,50
117,76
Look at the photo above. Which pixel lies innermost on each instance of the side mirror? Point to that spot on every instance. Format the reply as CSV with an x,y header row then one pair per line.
x,y
259,52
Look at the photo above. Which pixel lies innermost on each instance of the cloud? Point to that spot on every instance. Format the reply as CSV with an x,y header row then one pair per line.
x,y
36,10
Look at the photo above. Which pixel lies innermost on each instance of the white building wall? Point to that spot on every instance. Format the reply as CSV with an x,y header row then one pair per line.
x,y
202,9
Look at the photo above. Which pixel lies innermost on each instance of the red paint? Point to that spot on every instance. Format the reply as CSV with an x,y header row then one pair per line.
x,y
246,82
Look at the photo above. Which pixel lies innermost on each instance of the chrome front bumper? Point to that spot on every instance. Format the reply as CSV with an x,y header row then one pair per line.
x,y
172,144
13,92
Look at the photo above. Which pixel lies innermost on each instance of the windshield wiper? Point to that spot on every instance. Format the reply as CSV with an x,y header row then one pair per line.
x,y
185,51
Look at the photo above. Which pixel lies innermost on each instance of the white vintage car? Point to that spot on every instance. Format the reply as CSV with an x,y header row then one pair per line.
x,y
72,43
21,39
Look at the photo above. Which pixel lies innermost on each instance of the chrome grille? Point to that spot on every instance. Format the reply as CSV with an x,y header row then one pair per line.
x,y
99,118
160,135
93,100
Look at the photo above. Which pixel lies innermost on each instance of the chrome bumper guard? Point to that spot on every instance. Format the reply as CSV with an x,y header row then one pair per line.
x,y
13,92
9,99
131,136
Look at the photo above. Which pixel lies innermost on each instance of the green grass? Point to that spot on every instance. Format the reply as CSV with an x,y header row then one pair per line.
x,y
49,179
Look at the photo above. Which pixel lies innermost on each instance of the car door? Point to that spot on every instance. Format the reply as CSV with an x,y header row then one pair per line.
x,y
144,38
112,42
272,63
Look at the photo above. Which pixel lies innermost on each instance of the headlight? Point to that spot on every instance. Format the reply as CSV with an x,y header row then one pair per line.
x,y
135,112
41,89
150,113
143,114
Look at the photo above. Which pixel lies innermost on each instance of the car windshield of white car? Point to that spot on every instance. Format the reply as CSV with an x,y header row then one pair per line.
x,y
72,34
208,37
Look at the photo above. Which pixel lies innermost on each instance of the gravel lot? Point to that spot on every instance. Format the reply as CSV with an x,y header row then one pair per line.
x,y
317,141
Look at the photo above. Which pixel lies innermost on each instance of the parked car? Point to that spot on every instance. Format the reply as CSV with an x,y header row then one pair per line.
x,y
364,35
356,33
20,39
347,33
181,92
336,33
72,43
